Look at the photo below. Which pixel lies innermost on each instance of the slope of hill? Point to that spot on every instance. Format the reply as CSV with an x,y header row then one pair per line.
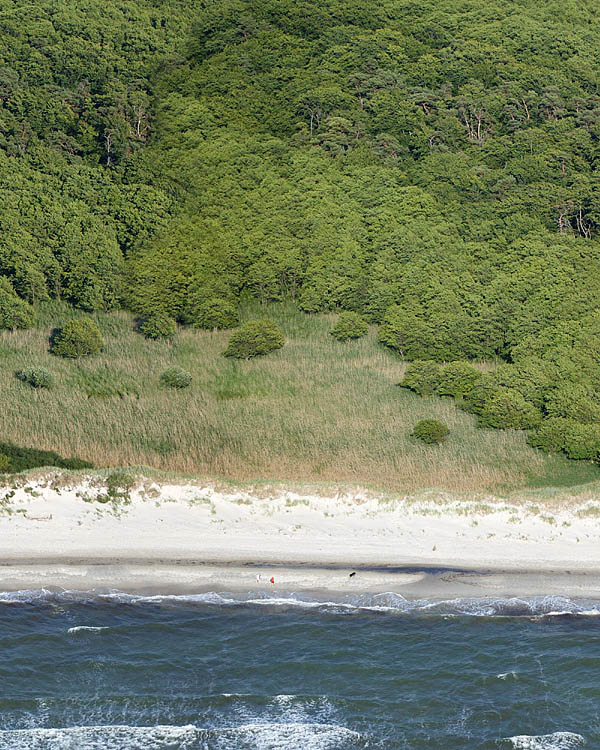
x,y
432,167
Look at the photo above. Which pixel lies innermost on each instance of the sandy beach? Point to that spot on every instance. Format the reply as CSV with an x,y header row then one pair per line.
x,y
63,531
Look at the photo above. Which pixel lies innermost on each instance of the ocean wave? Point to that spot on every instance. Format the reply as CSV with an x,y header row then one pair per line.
x,y
555,741
244,737
389,603
86,628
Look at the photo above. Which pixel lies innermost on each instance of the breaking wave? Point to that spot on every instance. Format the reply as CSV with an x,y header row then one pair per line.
x,y
245,737
86,628
555,741
536,606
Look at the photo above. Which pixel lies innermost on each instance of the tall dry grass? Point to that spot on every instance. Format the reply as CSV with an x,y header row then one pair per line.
x,y
317,410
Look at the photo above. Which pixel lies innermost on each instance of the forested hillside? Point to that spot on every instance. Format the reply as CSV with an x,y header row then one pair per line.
x,y
431,166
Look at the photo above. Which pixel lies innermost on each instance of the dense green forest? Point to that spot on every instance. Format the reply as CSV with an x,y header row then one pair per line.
x,y
431,166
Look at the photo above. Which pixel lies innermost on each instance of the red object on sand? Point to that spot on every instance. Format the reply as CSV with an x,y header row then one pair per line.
x,y
272,579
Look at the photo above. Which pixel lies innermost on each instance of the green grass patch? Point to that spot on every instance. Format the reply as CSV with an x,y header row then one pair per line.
x,y
314,411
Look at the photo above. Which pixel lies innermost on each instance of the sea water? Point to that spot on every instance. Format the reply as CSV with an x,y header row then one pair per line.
x,y
223,671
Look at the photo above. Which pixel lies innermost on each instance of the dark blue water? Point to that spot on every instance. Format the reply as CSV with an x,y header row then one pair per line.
x,y
86,671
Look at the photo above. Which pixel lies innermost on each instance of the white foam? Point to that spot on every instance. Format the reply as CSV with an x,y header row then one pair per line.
x,y
86,628
388,602
555,741
290,736
287,737
99,738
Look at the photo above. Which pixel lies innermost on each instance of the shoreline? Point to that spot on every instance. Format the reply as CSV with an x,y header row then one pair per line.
x,y
180,579
66,531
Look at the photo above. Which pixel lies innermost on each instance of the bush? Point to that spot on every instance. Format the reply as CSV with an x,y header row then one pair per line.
x,y
578,441
506,408
582,441
159,326
551,435
407,333
431,431
36,377
4,463
529,377
476,399
21,459
349,325
14,311
573,401
215,313
79,337
254,338
422,376
457,379
175,377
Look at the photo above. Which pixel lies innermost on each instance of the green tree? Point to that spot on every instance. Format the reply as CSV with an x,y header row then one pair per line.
x,y
254,338
79,337
14,312
349,325
422,376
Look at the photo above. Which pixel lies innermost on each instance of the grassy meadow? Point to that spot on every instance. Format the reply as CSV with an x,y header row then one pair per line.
x,y
317,410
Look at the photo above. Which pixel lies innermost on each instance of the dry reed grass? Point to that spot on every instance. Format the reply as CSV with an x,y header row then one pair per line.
x,y
317,410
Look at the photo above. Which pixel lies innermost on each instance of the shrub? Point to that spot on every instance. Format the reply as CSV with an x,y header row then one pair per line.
x,y
407,333
578,441
36,377
254,338
431,431
551,435
422,376
573,401
215,313
175,377
349,325
4,463
476,399
582,441
457,379
14,311
506,408
79,337
529,377
21,459
159,326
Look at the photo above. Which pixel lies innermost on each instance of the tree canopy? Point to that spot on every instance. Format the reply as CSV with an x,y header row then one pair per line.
x,y
431,167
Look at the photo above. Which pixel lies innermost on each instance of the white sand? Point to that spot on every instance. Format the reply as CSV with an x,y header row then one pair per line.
x,y
187,536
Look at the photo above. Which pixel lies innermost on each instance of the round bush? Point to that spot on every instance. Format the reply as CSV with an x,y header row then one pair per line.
x,y
422,376
36,377
254,338
431,431
507,409
457,379
175,377
159,326
79,337
4,463
349,325
215,313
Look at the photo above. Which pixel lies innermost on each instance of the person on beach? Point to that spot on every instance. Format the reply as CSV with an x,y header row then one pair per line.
x,y
272,580
258,578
